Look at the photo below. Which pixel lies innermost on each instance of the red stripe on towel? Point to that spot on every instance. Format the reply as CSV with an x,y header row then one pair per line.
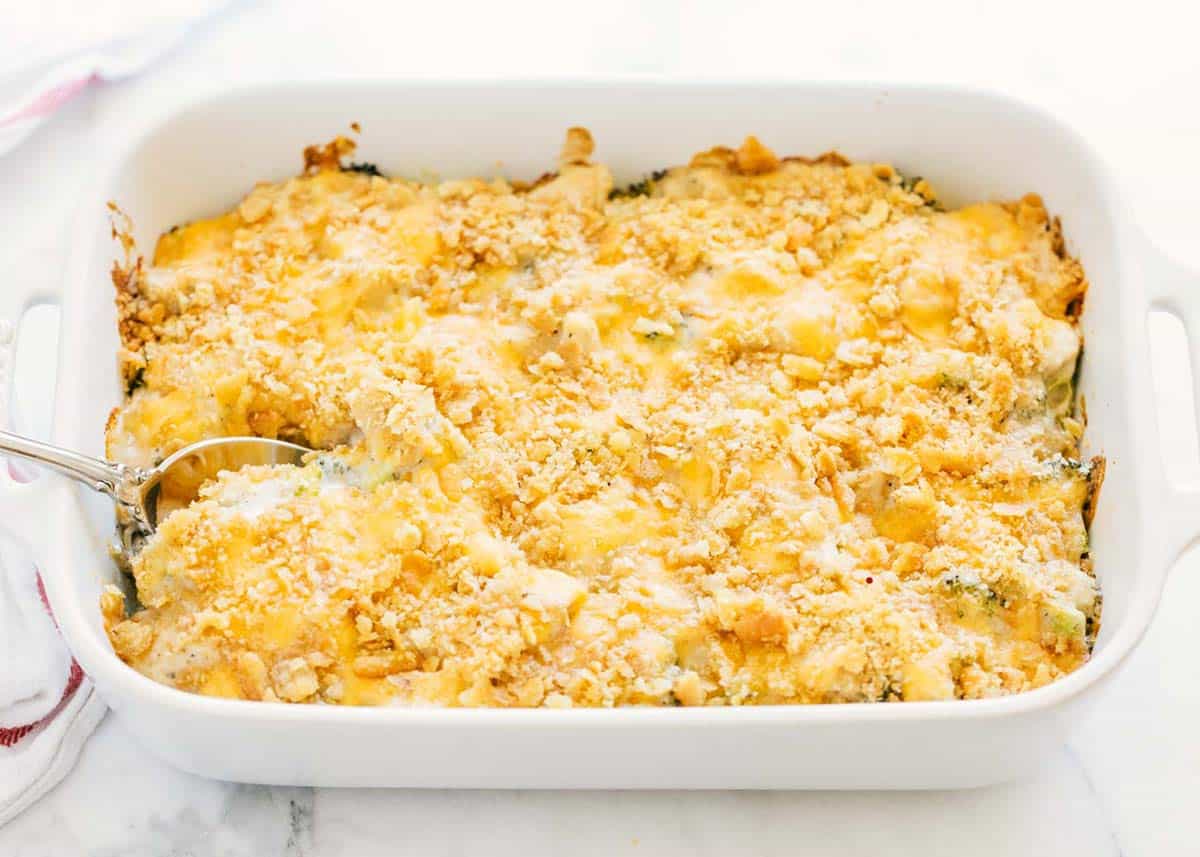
x,y
12,734
50,100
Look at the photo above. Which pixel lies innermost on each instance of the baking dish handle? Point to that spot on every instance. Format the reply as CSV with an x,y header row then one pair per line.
x,y
22,510
1175,288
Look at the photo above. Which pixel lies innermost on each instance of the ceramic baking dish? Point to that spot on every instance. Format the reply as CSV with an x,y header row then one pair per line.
x,y
200,159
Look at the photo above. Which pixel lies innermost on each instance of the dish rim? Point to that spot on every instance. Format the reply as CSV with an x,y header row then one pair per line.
x,y
103,664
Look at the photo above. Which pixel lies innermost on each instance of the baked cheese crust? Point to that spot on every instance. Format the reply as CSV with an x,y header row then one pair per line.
x,y
750,431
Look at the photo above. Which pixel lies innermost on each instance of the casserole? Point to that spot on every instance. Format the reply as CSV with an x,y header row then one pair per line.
x,y
184,168
597,446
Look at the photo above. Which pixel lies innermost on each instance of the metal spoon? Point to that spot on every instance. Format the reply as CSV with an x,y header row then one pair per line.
x,y
145,495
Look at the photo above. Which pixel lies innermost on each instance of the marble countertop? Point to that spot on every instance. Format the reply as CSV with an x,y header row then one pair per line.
x,y
1129,780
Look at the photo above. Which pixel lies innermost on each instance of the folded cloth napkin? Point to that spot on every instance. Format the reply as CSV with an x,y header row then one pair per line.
x,y
37,663
53,50
47,707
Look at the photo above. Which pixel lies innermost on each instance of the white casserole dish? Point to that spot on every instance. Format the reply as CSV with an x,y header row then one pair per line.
x,y
201,159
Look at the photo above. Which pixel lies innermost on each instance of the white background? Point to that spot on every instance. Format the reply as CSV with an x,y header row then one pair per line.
x,y
1129,782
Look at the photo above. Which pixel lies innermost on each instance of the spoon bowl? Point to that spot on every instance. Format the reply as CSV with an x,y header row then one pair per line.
x,y
176,481
144,496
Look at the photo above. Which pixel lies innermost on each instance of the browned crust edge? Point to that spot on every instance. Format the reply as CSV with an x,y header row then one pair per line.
x,y
327,156
126,276
1095,481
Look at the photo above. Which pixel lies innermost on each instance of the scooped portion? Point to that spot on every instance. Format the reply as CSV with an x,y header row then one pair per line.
x,y
748,431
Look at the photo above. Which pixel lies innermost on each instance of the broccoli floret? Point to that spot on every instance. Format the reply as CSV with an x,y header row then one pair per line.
x,y
638,188
331,467
891,691
1071,466
1064,621
366,168
949,381
1060,398
138,380
977,591
917,185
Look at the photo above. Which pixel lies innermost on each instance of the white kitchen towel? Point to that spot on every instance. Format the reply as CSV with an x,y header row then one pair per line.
x,y
52,50
47,707
36,664
36,763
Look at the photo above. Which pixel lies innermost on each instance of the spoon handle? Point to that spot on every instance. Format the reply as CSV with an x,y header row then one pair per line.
x,y
97,474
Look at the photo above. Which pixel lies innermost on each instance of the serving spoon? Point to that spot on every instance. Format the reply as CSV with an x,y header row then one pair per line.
x,y
145,495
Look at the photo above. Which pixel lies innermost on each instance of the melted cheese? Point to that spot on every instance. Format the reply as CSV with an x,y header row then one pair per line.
x,y
765,431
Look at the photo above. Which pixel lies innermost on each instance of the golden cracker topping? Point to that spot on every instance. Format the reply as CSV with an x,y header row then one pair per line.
x,y
754,430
